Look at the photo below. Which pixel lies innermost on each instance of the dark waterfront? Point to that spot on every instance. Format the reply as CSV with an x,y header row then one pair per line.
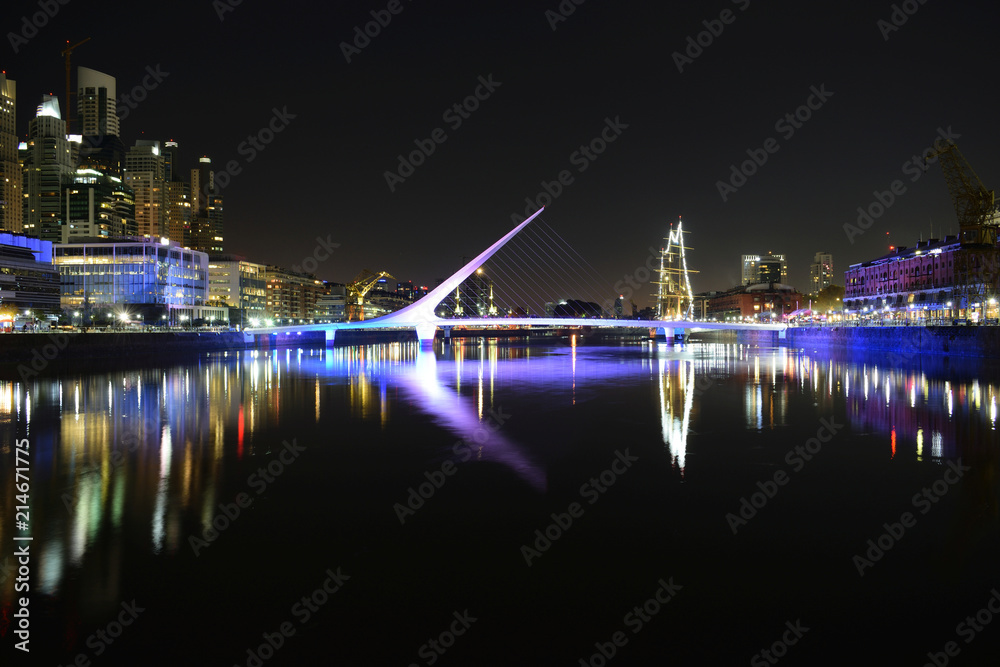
x,y
656,445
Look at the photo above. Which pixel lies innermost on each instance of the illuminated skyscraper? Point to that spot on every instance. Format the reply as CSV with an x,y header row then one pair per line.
x,y
821,271
48,162
144,174
97,120
11,206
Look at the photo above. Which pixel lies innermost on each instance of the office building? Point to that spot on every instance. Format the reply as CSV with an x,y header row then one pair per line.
x,y
28,280
97,121
98,206
144,174
160,280
48,159
292,296
240,285
11,206
750,268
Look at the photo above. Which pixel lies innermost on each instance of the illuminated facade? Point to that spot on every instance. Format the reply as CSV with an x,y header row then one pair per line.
x,y
750,268
238,284
48,158
292,296
98,206
821,272
145,175
28,280
11,211
761,302
138,271
934,279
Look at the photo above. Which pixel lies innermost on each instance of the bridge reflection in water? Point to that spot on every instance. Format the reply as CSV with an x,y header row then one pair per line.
x,y
156,450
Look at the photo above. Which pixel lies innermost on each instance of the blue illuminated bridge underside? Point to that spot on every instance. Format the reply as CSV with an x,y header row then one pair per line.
x,y
420,314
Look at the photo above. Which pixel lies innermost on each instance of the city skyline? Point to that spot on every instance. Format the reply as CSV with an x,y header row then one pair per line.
x,y
353,182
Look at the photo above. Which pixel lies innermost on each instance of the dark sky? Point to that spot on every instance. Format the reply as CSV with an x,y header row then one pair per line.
x,y
323,175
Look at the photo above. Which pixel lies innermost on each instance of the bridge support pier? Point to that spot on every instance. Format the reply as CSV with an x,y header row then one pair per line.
x,y
664,335
331,334
425,334
447,335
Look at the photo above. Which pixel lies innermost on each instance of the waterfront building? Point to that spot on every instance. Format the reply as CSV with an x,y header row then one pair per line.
x,y
291,296
155,277
820,272
11,206
758,302
938,278
28,280
48,159
240,285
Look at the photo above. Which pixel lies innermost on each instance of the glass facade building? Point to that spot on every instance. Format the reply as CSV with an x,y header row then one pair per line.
x,y
139,271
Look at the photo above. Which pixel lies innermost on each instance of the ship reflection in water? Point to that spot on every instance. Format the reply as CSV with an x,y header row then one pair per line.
x,y
155,451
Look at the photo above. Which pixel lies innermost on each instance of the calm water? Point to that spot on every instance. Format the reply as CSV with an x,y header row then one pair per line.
x,y
222,494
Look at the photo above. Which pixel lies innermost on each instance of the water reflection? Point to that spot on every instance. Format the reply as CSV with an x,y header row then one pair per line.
x,y
116,453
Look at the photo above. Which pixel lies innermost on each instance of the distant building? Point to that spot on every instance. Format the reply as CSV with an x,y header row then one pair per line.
x,y
153,276
28,280
97,122
11,178
750,268
769,270
821,272
98,205
144,174
759,302
934,279
292,296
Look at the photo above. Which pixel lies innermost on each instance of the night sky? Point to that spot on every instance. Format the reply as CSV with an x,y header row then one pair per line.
x,y
324,174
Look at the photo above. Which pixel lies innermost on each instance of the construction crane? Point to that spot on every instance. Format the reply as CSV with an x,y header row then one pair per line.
x,y
973,203
359,287
975,266
69,107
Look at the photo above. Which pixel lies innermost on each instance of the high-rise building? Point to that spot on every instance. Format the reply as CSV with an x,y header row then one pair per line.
x,y
750,268
292,296
48,158
98,206
97,104
206,210
144,174
179,212
821,271
202,183
11,206
98,123
238,284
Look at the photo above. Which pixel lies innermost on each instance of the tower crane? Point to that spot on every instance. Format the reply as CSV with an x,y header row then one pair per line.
x,y
69,108
359,287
